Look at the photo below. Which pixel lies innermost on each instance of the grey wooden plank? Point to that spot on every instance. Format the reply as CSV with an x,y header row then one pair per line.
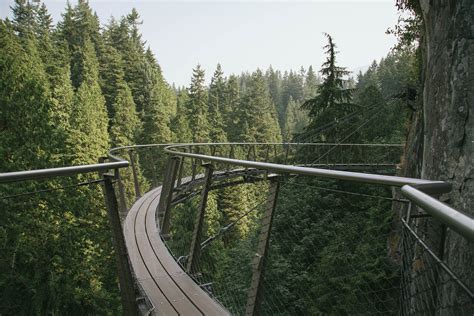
x,y
195,294
169,288
142,273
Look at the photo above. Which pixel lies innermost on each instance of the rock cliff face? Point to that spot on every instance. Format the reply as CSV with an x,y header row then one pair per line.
x,y
441,140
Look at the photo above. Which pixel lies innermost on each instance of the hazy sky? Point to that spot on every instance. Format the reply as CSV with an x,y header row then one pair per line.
x,y
245,35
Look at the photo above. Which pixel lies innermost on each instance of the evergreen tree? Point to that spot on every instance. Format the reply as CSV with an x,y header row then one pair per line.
x,y
89,116
275,87
180,126
79,26
333,100
216,107
197,107
296,120
310,84
231,111
24,21
259,118
24,94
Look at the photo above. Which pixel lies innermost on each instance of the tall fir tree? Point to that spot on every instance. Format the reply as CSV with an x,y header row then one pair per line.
x,y
333,100
310,84
89,115
197,107
216,107
180,125
259,121
230,108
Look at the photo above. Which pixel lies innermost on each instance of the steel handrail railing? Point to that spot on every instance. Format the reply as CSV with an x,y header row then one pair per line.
x,y
412,188
112,154
60,171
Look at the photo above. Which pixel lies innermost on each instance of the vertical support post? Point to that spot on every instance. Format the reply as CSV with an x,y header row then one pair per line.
x,y
153,168
167,195
135,177
255,290
194,166
127,291
287,153
180,171
122,198
196,241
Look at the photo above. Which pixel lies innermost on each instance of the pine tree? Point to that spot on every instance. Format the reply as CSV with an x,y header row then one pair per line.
x,y
197,107
296,120
79,26
275,87
333,100
24,94
24,21
230,109
180,125
89,116
216,107
259,121
311,84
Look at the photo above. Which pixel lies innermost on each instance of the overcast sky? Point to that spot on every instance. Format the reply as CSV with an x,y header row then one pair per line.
x,y
245,35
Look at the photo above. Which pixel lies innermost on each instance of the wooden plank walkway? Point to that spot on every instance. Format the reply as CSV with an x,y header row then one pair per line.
x,y
167,286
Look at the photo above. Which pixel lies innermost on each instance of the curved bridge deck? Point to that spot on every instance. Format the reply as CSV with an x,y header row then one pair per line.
x,y
167,286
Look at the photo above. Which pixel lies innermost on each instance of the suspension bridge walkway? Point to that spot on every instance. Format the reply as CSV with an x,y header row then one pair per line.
x,y
171,277
161,202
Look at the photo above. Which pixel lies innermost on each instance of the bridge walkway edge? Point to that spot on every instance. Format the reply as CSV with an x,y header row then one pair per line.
x,y
169,289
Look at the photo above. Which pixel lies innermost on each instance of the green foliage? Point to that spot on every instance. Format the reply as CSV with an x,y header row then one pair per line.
x,y
327,252
333,99
180,125
55,253
197,107
216,107
295,120
231,108
258,117
69,92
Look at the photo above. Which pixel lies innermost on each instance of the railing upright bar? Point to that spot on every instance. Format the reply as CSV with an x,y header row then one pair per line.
x,y
153,168
127,290
135,174
180,171
122,198
167,195
254,293
195,250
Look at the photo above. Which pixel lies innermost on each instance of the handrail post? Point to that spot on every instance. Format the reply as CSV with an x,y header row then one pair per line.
x,y
196,241
153,169
180,171
255,291
127,290
135,176
122,198
167,195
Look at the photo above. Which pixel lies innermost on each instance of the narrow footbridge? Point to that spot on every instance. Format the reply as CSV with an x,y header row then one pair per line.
x,y
280,229
170,243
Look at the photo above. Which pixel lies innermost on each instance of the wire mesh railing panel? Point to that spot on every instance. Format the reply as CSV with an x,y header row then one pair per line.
x,y
436,279
328,252
228,238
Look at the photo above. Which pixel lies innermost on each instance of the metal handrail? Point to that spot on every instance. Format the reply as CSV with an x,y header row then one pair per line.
x,y
113,156
60,172
454,219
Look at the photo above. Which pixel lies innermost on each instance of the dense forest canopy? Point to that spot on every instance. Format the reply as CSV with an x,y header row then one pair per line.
x,y
70,91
